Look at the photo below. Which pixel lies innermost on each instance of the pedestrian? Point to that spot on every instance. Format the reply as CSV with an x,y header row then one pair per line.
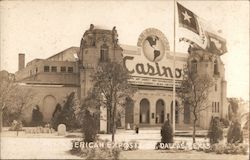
x,y
136,129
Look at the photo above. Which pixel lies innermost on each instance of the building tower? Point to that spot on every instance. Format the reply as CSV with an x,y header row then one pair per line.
x,y
203,62
97,46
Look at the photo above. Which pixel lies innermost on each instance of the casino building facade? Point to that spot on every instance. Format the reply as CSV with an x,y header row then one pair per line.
x,y
150,64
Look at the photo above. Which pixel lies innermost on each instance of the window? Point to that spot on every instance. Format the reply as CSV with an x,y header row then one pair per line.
x,y
215,87
63,69
53,69
212,107
215,107
216,69
104,53
218,107
70,69
194,66
46,68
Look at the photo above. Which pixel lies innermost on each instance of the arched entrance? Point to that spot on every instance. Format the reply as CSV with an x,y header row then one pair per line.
x,y
176,112
129,112
160,110
144,111
49,104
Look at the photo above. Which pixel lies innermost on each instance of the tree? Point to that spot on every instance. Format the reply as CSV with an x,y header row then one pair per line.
x,y
110,89
194,92
167,133
15,100
67,114
215,132
235,134
22,99
7,88
37,117
239,110
56,118
89,126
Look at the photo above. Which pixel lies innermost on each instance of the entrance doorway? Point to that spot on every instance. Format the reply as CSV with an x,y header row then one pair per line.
x,y
144,111
160,110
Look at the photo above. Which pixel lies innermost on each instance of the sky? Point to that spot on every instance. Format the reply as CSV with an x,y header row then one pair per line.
x,y
43,28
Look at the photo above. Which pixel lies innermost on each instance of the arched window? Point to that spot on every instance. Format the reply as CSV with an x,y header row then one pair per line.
x,y
216,69
194,66
104,53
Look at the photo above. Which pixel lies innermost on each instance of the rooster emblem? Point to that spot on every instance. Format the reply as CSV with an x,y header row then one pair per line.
x,y
152,40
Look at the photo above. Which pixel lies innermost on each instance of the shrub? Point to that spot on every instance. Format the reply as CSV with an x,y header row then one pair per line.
x,y
66,114
37,117
228,148
219,149
167,133
97,153
235,135
56,116
225,122
215,132
101,153
16,126
89,127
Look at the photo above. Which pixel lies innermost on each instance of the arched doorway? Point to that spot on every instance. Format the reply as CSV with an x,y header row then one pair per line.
x,y
144,111
160,110
49,104
129,112
176,112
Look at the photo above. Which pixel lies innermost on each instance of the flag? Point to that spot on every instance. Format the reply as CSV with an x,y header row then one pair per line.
x,y
216,44
191,30
193,44
198,33
187,19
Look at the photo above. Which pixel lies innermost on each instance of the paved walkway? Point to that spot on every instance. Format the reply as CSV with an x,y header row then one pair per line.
x,y
153,154
51,146
36,148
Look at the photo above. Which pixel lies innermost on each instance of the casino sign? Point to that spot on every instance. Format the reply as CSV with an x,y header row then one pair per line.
x,y
153,65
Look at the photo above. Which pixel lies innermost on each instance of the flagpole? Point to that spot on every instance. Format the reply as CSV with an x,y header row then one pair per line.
x,y
173,118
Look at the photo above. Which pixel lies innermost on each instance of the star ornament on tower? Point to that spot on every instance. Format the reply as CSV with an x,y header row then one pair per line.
x,y
186,16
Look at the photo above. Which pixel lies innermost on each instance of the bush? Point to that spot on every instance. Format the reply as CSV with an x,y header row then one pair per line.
x,y
235,135
167,133
89,127
228,149
56,117
225,122
215,132
101,153
16,126
97,153
37,117
66,114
